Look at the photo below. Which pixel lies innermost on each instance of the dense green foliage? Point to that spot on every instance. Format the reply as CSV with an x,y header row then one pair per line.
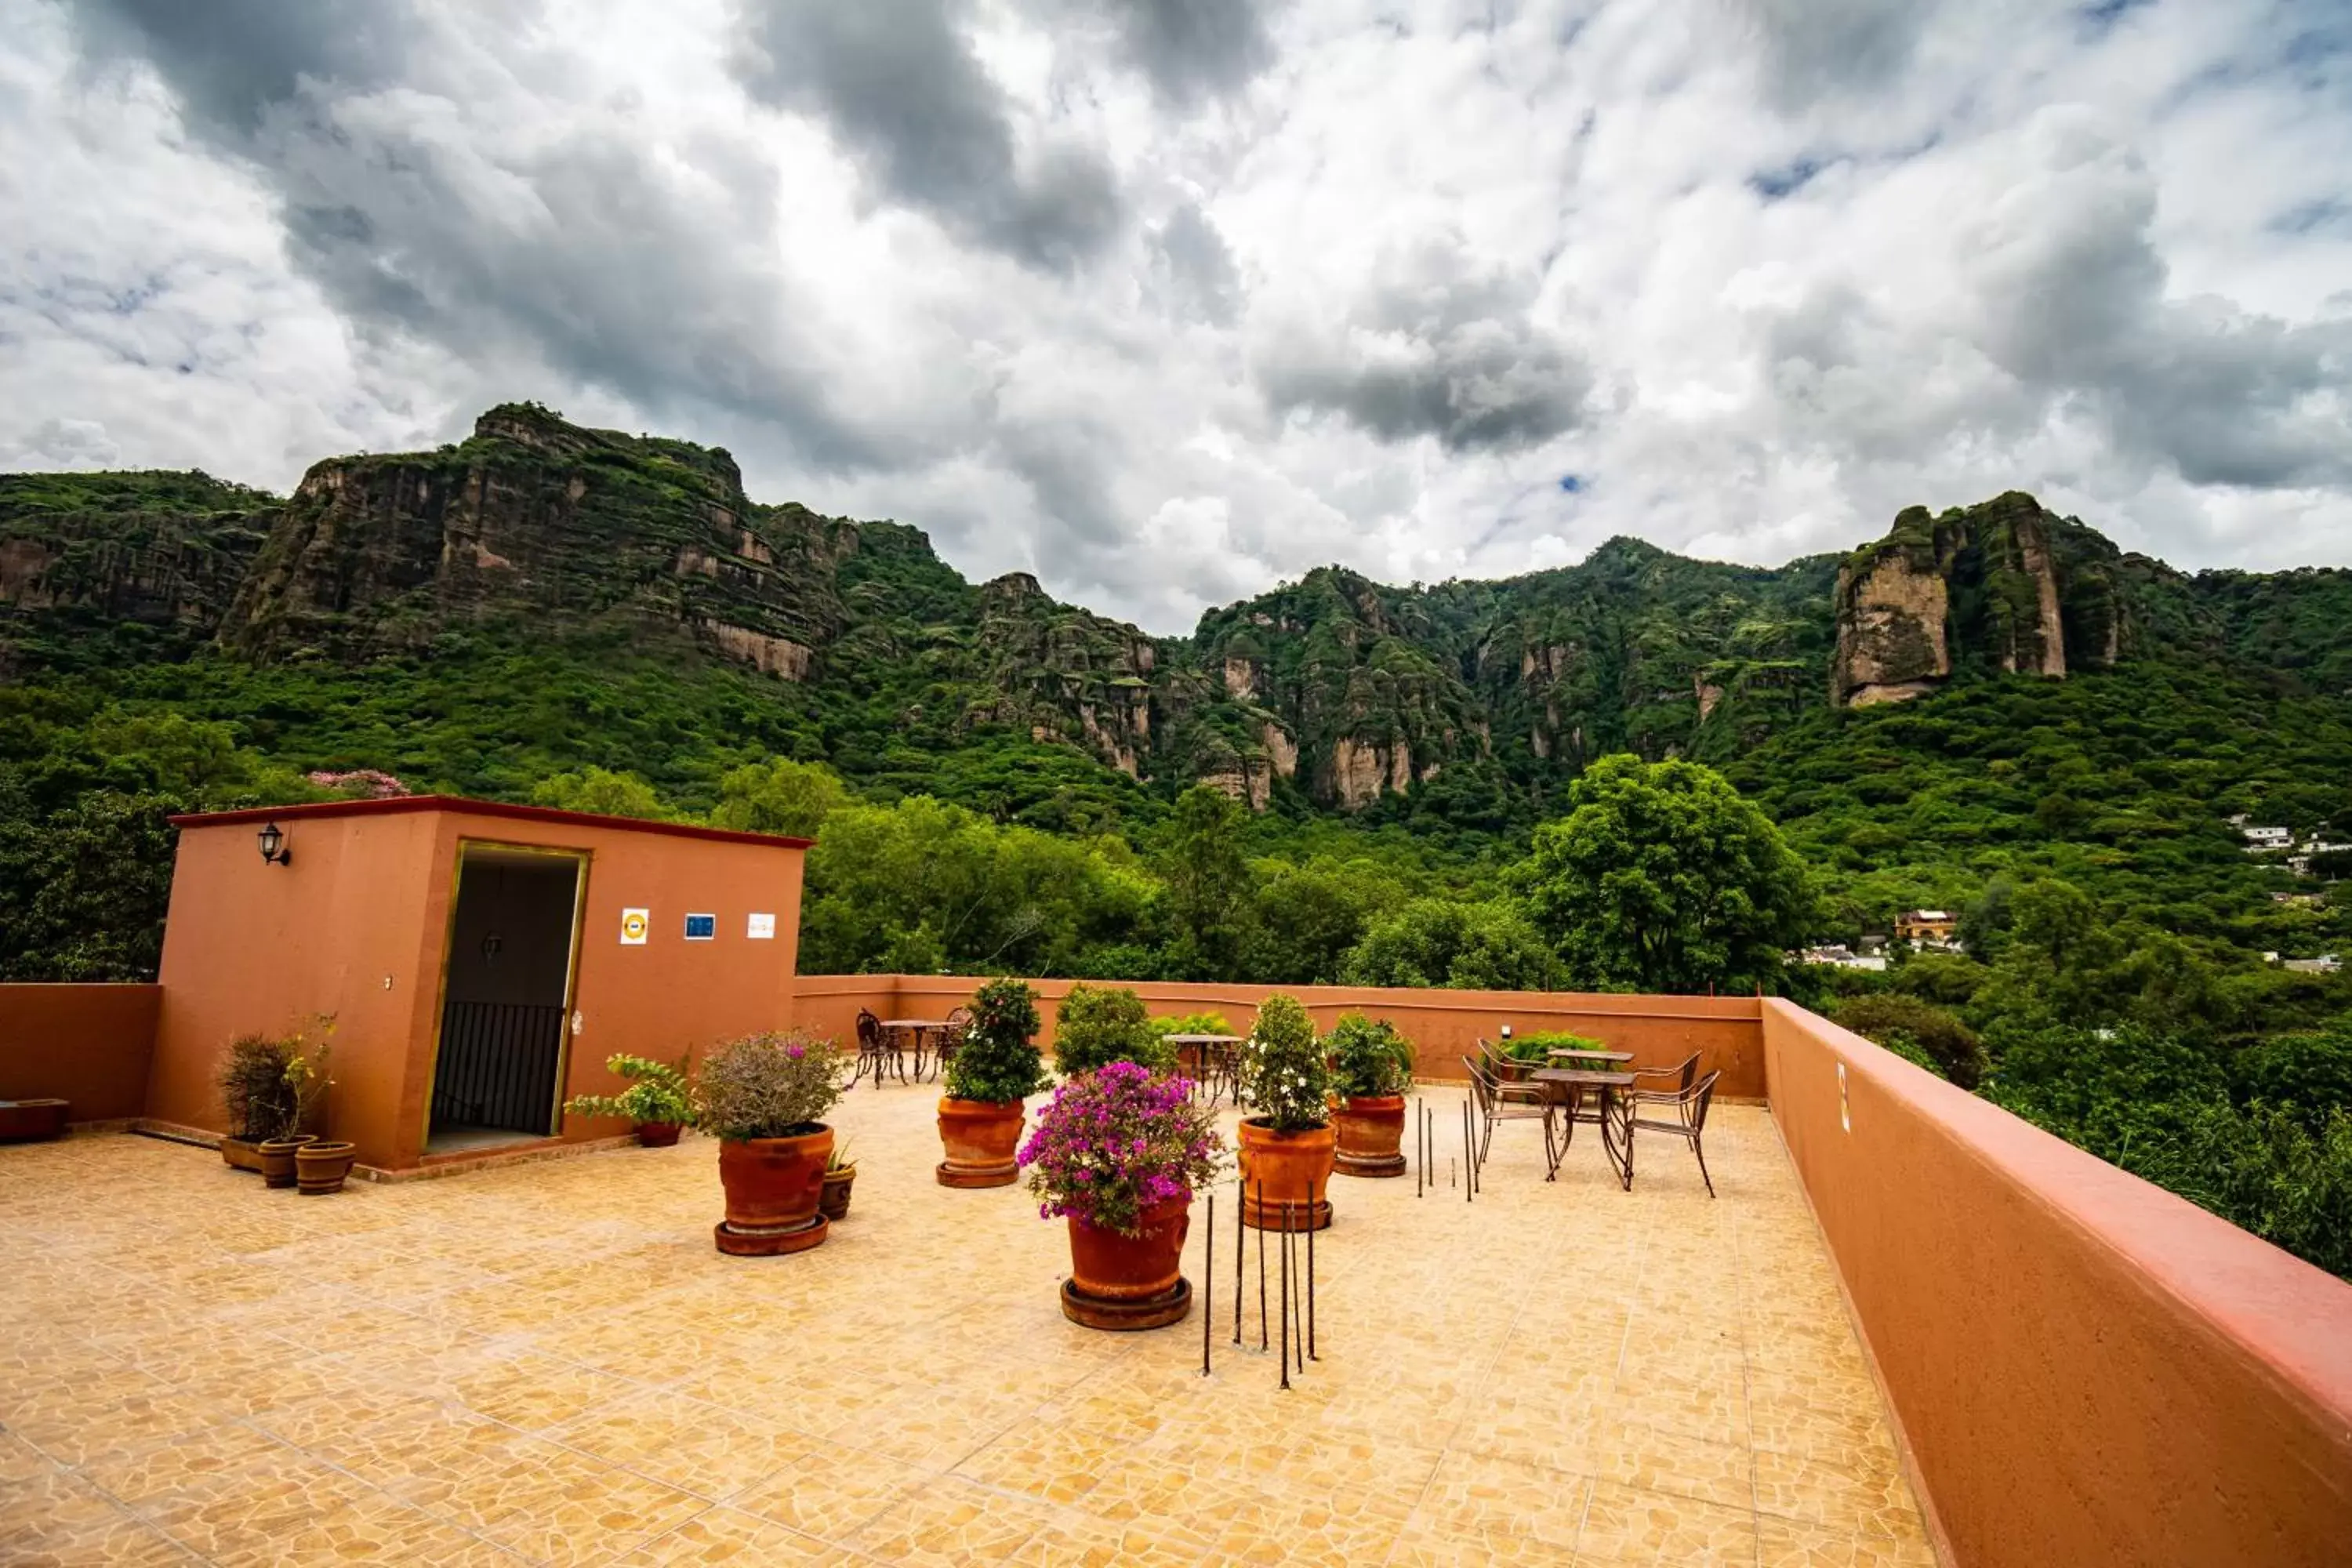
x,y
1368,1057
1100,1024
1663,879
999,1061
659,1092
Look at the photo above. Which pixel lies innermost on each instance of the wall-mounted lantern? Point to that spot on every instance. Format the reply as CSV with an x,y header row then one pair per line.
x,y
274,851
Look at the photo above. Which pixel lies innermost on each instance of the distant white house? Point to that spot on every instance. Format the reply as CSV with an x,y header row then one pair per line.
x,y
1839,955
2325,964
2260,840
2297,901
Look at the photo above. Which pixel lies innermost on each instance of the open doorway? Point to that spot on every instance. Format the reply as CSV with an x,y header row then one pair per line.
x,y
506,991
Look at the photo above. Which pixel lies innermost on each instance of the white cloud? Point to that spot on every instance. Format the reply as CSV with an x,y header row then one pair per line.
x,y
1166,306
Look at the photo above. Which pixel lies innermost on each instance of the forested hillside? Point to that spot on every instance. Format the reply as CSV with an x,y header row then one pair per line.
x,y
1991,709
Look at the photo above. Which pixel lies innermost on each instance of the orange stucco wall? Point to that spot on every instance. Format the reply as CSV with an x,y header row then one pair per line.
x,y
357,927
87,1043
1659,1030
2087,1368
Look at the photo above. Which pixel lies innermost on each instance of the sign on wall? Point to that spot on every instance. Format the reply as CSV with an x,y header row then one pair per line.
x,y
761,928
702,928
634,924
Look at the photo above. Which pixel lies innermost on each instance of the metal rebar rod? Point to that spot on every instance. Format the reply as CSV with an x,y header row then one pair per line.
x,y
1208,1279
1283,1247
1240,1250
1417,1162
1262,1339
1298,1286
1310,1292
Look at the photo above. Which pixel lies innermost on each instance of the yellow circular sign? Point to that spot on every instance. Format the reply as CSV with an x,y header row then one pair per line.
x,y
633,926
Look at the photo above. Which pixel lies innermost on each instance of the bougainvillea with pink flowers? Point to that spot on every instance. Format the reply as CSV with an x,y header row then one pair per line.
x,y
1117,1142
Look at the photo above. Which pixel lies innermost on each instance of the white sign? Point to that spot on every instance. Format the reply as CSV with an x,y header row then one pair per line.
x,y
762,928
634,924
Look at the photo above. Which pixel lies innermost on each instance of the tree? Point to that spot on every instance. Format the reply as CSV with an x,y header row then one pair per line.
x,y
1207,882
1663,879
1890,1017
1304,920
779,795
1464,947
602,792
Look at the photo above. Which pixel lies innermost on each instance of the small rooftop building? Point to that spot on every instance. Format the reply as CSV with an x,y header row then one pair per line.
x,y
1927,926
478,961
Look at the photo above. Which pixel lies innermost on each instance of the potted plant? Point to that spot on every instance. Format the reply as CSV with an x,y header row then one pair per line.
x,y
306,1085
255,1097
840,1173
998,1067
1099,1025
659,1100
1118,1152
1371,1067
762,1096
1287,1147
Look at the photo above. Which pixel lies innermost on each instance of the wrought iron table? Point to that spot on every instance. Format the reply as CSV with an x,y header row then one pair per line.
x,y
1565,1086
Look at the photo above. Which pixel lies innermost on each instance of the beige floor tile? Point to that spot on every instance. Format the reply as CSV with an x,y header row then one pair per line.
x,y
552,1362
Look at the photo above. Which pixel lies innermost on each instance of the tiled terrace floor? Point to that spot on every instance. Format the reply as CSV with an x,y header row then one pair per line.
x,y
550,1363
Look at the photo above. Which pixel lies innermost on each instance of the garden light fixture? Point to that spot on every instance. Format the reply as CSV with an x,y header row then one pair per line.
x,y
274,851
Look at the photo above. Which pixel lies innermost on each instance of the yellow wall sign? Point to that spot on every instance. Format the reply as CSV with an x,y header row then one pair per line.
x,y
634,923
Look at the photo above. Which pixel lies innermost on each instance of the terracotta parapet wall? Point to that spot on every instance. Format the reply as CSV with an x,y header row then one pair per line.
x,y
1660,1031
89,1043
2086,1369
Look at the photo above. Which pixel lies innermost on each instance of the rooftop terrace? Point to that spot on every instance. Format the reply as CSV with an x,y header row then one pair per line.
x,y
550,1362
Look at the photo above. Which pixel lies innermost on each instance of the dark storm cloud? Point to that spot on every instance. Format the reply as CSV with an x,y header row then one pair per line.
x,y
1191,49
1438,347
907,97
584,252
2076,309
230,60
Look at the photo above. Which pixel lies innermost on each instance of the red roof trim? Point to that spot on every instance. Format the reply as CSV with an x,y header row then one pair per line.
x,y
460,805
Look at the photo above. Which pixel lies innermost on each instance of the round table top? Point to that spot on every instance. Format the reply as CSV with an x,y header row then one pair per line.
x,y
915,1024
1207,1040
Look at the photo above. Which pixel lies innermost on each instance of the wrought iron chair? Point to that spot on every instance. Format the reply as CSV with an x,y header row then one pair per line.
x,y
1503,1068
959,1020
1688,1122
1684,1076
1498,1102
875,1051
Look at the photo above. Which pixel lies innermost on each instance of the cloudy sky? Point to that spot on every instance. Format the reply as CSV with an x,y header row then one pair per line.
x,y
1169,299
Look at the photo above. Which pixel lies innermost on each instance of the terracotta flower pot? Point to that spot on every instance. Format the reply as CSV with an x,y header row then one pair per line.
x,y
1285,1167
1131,1281
981,1136
31,1120
657,1134
772,1187
320,1167
834,1202
1371,1135
241,1154
277,1166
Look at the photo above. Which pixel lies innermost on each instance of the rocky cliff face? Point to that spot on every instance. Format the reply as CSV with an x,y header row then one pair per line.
x,y
2004,586
1478,699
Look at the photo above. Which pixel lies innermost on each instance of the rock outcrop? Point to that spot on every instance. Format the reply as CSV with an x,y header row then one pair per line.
x,y
2004,586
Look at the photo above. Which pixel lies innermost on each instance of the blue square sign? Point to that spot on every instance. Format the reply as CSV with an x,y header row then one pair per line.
x,y
702,928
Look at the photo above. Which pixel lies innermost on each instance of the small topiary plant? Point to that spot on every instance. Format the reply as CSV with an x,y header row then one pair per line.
x,y
1368,1057
1101,1025
1285,1075
768,1085
999,1061
658,1092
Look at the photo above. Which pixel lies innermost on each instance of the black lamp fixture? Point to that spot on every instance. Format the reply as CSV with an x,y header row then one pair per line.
x,y
274,851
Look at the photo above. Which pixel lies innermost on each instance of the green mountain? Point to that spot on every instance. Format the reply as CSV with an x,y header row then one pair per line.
x,y
542,598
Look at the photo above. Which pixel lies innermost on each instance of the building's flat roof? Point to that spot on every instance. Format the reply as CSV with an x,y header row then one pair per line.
x,y
459,804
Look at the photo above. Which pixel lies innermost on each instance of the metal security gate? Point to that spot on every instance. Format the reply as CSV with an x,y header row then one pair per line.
x,y
498,1066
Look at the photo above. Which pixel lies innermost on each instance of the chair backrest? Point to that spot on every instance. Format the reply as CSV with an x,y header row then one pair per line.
x,y
1482,1087
1685,1074
1503,1068
1698,1097
869,1031
959,1017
